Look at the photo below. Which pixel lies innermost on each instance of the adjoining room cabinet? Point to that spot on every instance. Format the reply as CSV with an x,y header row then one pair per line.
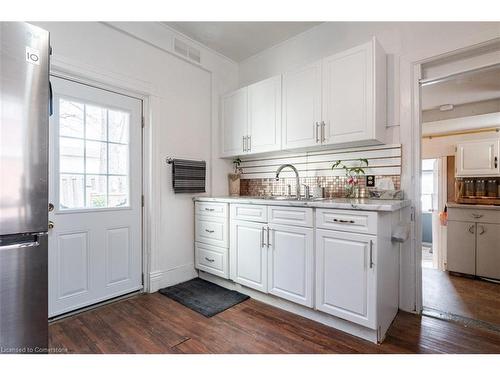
x,y
346,276
488,250
473,241
461,247
478,158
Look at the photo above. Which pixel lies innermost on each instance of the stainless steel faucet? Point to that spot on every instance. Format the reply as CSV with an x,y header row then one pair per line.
x,y
297,182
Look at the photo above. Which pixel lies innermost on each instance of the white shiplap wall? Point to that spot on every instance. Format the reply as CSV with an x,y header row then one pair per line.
x,y
383,161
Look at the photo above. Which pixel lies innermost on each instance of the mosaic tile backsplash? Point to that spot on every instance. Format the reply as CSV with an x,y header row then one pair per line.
x,y
334,185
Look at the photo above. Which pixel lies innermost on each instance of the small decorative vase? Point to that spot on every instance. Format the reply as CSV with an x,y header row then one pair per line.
x,y
352,191
234,184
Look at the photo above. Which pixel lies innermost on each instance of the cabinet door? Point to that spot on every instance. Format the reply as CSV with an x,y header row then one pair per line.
x,y
234,117
290,264
302,107
264,115
478,158
348,95
488,250
461,255
346,276
248,255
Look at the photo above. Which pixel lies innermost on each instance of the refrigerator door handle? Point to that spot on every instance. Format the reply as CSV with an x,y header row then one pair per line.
x,y
51,100
19,245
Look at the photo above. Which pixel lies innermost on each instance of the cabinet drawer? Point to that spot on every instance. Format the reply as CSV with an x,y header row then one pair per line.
x,y
470,214
300,216
211,209
347,220
249,212
211,259
212,230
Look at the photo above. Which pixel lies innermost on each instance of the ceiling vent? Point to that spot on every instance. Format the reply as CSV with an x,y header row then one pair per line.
x,y
187,51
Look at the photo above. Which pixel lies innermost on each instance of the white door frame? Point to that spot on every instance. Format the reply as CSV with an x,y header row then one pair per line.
x,y
410,116
145,91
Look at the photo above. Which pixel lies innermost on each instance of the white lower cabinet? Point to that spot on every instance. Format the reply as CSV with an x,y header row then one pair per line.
x,y
346,276
291,263
248,254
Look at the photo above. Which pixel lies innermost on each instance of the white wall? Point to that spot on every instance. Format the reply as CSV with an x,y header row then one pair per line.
x,y
183,122
405,43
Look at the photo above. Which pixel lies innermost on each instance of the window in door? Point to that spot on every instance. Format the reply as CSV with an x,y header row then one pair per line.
x,y
93,156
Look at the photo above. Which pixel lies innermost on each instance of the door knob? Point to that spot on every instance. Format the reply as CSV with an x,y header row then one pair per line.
x,y
51,224
51,207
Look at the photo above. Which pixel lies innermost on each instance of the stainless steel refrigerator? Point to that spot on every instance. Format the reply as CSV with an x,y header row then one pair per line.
x,y
24,120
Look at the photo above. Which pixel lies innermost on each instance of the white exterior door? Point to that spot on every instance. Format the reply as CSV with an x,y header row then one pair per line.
x,y
302,107
264,115
234,107
291,263
95,188
348,95
248,254
478,158
345,276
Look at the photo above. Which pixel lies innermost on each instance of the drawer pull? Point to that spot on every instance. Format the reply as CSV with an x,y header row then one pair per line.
x,y
477,216
209,209
209,260
209,231
344,221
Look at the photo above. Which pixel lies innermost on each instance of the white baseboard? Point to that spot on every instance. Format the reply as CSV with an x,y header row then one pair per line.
x,y
162,279
306,312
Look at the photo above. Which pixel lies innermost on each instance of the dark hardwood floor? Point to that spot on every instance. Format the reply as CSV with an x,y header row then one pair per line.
x,y
470,298
153,323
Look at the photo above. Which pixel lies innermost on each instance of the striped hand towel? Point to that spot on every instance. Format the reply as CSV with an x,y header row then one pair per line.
x,y
188,176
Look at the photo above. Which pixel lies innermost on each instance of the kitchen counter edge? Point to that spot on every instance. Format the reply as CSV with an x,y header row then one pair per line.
x,y
340,203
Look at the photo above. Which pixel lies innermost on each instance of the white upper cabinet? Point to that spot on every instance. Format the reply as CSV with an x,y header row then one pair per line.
x,y
302,107
339,100
264,116
478,158
354,96
234,119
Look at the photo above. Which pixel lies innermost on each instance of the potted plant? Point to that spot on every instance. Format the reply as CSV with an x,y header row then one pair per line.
x,y
353,176
234,178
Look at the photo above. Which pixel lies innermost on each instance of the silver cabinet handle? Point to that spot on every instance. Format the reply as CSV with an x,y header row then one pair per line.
x,y
268,243
471,229
209,260
262,244
323,139
249,143
482,229
317,131
209,209
244,144
477,216
209,231
344,221
371,253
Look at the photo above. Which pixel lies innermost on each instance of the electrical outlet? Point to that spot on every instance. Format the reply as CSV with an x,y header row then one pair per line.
x,y
370,180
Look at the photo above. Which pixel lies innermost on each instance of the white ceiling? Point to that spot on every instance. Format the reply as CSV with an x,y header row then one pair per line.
x,y
468,88
240,40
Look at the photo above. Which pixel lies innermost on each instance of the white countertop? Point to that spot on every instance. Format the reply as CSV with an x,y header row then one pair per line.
x,y
342,203
473,206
